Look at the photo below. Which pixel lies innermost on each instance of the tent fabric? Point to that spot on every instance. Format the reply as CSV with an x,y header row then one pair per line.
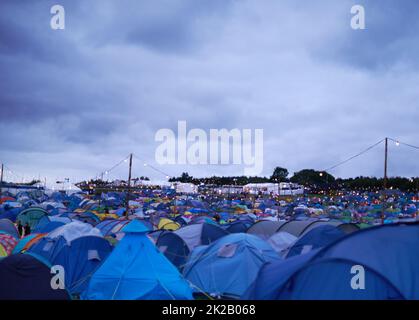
x,y
47,228
137,270
80,258
243,253
8,242
385,253
31,216
86,217
109,227
11,214
74,230
334,279
6,199
168,224
47,248
282,241
345,227
265,228
295,227
348,227
48,223
8,227
272,276
237,227
135,226
200,234
24,277
318,237
318,223
3,251
23,243
174,248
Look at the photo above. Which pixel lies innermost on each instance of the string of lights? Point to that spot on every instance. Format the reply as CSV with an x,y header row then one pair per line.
x,y
11,172
152,167
106,172
398,142
354,156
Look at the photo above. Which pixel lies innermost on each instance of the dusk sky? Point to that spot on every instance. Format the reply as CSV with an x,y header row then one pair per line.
x,y
75,102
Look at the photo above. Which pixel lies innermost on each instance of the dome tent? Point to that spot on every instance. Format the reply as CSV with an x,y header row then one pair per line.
x,y
31,216
80,258
136,270
281,242
7,226
25,277
385,253
272,276
317,237
210,268
265,228
177,245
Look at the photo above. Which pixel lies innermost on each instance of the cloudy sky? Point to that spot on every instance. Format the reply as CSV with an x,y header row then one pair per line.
x,y
75,102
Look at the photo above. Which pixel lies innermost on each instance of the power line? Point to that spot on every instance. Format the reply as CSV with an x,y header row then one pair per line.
x,y
404,143
152,167
354,156
114,166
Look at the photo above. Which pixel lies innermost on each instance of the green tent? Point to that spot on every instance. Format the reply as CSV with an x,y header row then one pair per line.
x,y
31,216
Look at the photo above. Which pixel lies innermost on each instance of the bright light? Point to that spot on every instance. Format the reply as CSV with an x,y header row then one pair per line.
x,y
321,174
397,143
145,164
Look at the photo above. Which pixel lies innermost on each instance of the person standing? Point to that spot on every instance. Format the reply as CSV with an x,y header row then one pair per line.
x,y
20,228
27,229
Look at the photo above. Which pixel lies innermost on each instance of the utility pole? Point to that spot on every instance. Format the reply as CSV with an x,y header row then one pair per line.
x,y
129,184
385,180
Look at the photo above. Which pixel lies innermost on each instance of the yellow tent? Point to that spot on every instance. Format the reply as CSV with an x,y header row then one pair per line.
x,y
167,224
3,252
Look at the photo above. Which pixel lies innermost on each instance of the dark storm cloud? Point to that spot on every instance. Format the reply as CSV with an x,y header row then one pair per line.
x,y
75,101
391,39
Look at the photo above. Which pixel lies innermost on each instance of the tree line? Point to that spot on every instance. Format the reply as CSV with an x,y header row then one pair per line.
x,y
309,178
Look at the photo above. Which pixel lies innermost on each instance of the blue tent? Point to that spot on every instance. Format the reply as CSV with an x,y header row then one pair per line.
x,y
272,276
87,217
318,237
177,245
10,213
49,223
31,216
111,226
137,270
23,242
24,277
228,266
386,254
80,258
48,248
174,248
238,226
8,227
